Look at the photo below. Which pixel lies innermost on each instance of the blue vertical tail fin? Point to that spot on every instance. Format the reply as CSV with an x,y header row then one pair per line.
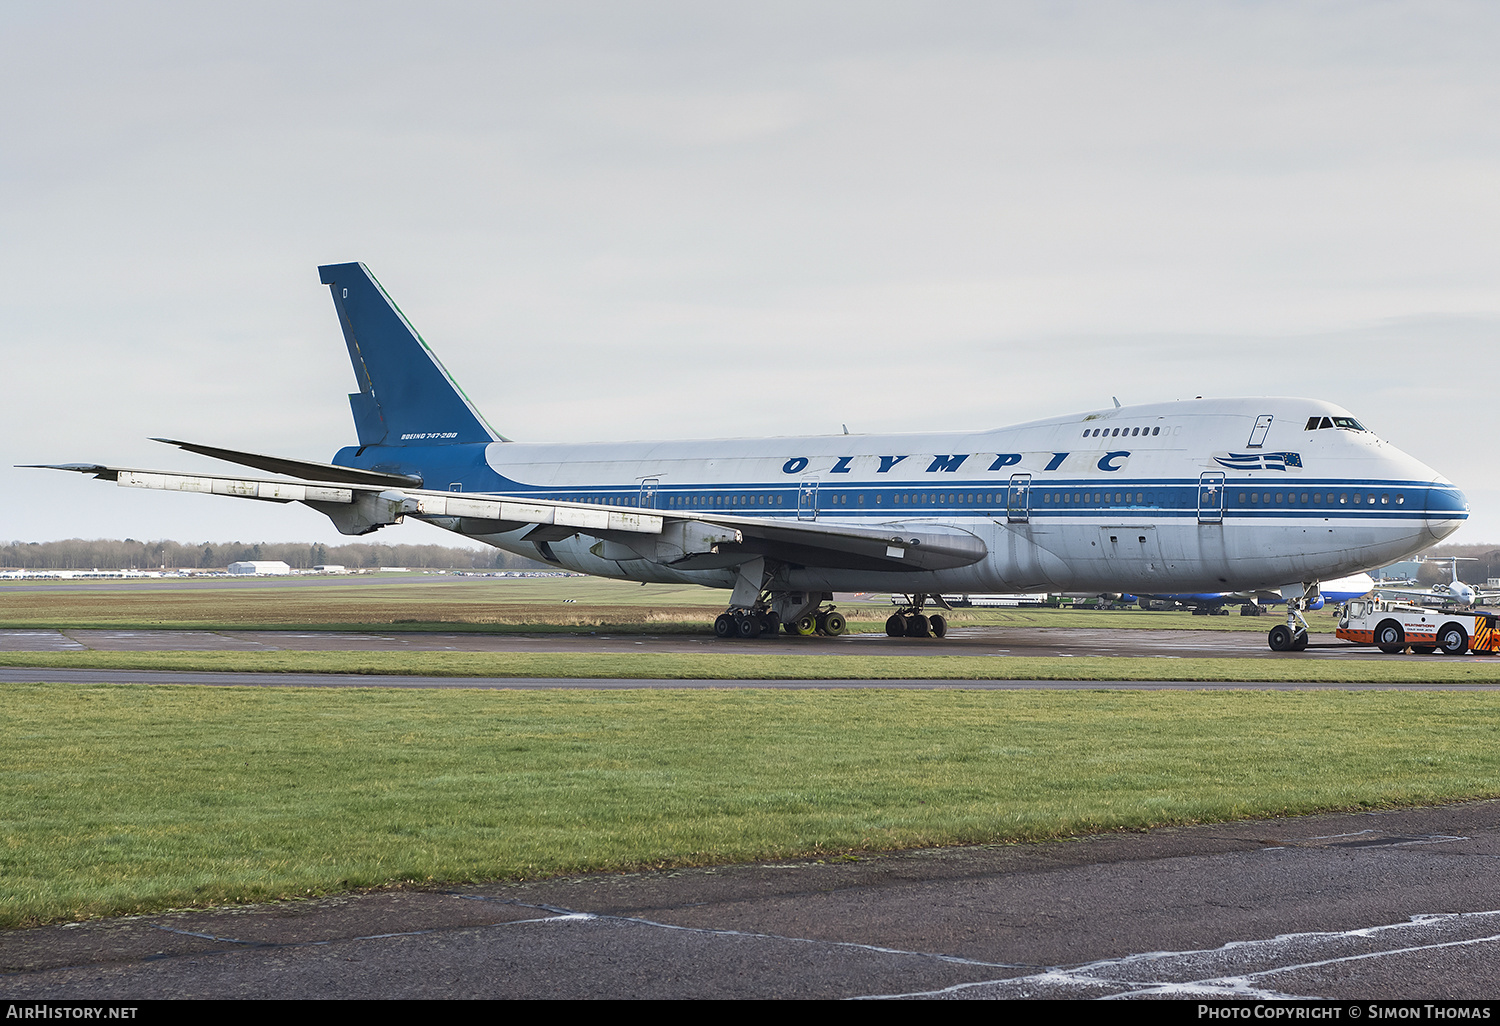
x,y
406,396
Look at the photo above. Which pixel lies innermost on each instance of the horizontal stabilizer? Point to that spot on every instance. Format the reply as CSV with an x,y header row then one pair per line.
x,y
306,470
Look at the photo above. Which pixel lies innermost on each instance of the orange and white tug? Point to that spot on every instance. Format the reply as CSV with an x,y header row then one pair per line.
x,y
1392,626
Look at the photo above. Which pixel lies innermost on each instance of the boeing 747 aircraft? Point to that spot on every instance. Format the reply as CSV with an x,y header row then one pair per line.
x,y
1203,495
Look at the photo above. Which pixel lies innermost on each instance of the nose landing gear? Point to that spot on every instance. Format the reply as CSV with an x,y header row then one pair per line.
x,y
908,621
1292,636
1283,639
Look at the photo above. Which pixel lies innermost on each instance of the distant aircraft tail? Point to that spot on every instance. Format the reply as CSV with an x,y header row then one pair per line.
x,y
406,396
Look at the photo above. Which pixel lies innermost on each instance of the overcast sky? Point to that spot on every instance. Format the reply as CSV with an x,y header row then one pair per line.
x,y
645,220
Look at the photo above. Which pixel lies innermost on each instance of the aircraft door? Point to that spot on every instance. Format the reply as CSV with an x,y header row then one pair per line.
x,y
648,492
1211,498
1018,499
807,499
1258,433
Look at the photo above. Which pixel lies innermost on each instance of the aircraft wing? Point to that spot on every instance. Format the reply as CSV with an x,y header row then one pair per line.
x,y
681,539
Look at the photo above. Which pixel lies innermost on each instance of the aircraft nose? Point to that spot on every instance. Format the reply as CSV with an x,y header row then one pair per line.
x,y
1446,510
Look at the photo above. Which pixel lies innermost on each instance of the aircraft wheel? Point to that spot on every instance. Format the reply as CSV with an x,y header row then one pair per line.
x,y
939,624
805,626
1299,642
918,626
724,626
895,627
834,623
1424,649
747,626
770,623
1452,640
1390,638
1280,638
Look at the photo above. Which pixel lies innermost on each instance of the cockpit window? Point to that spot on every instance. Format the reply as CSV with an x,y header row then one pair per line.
x,y
1348,423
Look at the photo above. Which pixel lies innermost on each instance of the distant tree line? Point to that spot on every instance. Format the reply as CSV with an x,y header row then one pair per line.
x,y
113,554
129,554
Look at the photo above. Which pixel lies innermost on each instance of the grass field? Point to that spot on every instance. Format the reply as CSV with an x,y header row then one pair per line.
x,y
126,798
422,602
121,798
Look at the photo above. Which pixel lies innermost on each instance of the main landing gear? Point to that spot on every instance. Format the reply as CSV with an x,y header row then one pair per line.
x,y
755,610
745,623
908,621
752,623
1292,635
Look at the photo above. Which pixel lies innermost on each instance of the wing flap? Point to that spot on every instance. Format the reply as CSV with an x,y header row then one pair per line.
x,y
893,547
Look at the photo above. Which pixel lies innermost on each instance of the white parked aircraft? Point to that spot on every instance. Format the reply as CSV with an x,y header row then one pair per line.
x,y
1195,496
1450,593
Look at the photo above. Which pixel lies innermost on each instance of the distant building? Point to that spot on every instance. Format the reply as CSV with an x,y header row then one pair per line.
x,y
260,568
1406,570
329,568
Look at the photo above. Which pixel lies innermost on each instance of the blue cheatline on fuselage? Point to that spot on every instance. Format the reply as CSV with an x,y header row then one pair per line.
x,y
1063,498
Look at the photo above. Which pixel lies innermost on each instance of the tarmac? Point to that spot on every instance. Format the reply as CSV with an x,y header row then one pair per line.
x,y
1055,642
1394,905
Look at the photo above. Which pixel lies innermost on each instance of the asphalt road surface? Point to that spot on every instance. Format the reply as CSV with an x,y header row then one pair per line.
x,y
343,680
1388,905
977,642
968,641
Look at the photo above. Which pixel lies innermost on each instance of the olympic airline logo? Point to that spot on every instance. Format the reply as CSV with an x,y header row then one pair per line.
x,y
949,463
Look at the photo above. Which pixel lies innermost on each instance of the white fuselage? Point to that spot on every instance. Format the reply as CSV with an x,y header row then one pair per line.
x,y
1201,495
